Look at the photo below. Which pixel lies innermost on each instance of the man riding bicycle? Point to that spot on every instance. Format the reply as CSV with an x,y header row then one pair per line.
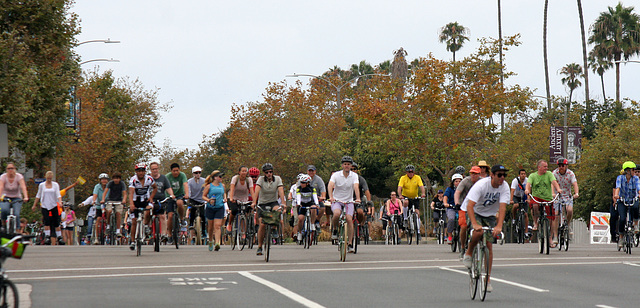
x,y
142,189
486,197
627,188
268,189
180,187
114,194
566,180
541,185
342,186
408,190
196,184
518,185
365,195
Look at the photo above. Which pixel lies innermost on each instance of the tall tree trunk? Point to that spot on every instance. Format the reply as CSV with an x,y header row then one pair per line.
x,y
544,50
500,46
587,102
617,62
604,95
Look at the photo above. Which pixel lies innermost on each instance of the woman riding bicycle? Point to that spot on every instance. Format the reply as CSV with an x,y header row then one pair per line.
x,y
306,199
437,203
11,184
241,189
394,206
449,203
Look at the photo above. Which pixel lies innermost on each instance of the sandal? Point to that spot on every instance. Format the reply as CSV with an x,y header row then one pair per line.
x,y
554,244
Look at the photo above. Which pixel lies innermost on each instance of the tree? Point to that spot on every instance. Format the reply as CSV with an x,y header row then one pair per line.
x,y
572,71
544,51
587,100
399,71
599,65
454,35
37,71
616,35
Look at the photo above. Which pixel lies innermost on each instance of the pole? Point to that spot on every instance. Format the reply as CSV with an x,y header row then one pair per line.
x,y
564,137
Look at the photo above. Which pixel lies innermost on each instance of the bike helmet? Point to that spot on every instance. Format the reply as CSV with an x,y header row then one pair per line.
x,y
299,177
253,171
142,166
267,166
346,159
628,164
410,168
460,170
305,179
103,176
456,176
354,165
196,169
562,161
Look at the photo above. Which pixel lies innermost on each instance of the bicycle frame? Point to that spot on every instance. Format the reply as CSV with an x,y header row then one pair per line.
x,y
11,222
543,223
629,234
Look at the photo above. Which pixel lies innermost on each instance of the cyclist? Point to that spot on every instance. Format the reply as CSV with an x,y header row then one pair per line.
x,y
393,205
49,193
459,196
341,188
449,203
321,189
382,215
566,180
214,194
11,184
294,210
196,184
269,188
486,197
98,196
307,200
240,189
365,195
164,189
142,190
437,203
115,191
408,188
484,169
518,186
541,185
180,189
627,188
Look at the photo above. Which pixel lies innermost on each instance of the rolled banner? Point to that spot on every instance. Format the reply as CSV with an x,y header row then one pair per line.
x,y
81,180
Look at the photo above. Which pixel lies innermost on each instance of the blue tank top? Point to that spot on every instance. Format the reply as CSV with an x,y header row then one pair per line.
x,y
218,193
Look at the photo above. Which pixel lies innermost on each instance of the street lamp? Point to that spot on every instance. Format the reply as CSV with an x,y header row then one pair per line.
x,y
99,60
627,61
337,88
107,41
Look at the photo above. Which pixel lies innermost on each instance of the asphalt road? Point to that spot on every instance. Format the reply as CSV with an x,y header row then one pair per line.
x,y
377,276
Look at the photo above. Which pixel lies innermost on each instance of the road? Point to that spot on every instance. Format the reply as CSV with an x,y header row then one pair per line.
x,y
377,276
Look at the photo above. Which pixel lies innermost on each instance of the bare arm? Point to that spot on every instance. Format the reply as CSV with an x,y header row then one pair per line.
x,y
23,186
185,185
356,188
575,190
422,192
330,190
456,196
232,188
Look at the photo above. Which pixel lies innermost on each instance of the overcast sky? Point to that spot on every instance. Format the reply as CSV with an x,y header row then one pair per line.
x,y
203,56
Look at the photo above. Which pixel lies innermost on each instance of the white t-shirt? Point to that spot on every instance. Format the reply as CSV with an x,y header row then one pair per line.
x,y
514,185
48,196
343,188
487,197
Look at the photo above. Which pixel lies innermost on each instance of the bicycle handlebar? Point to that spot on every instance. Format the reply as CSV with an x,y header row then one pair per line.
x,y
624,201
545,202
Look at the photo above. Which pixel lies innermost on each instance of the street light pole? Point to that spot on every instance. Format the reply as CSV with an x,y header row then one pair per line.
x,y
99,60
337,88
107,41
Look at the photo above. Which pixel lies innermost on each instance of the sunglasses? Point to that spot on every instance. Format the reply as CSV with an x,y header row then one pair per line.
x,y
410,171
562,165
501,175
197,172
268,172
141,170
11,168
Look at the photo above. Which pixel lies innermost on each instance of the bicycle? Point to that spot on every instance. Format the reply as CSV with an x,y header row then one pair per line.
x,y
271,219
175,232
479,270
140,232
342,233
563,230
519,227
392,234
441,226
11,222
627,237
113,221
239,228
308,229
455,235
413,226
198,222
543,224
364,229
11,248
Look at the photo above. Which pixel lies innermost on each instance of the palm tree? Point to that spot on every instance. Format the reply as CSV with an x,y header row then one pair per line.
x,y
599,65
587,102
573,71
399,71
454,35
544,51
616,34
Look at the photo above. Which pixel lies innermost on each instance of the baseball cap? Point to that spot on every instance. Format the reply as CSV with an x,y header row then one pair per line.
x,y
196,169
475,169
497,168
311,167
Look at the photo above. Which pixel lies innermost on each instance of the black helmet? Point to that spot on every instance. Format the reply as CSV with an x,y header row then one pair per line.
x,y
410,168
267,166
460,170
346,159
354,165
562,161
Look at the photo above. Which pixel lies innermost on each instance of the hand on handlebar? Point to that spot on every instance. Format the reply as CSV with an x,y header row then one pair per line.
x,y
496,231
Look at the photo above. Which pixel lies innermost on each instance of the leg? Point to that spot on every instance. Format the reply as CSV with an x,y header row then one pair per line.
x,y
350,228
451,217
180,209
217,228
261,230
536,213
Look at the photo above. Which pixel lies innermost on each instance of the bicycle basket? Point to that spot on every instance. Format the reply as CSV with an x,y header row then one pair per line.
x,y
17,249
271,217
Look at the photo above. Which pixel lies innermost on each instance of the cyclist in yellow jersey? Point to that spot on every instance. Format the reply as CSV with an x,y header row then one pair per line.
x,y
408,188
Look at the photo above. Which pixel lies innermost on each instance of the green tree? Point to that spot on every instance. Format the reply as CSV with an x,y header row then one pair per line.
x,y
573,73
616,35
454,35
599,65
37,71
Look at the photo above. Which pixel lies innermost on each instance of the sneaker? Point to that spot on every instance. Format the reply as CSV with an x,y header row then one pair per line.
x,y
449,240
170,240
119,234
489,288
132,246
210,246
462,253
350,249
259,252
466,260
313,227
334,235
60,241
317,225
299,237
217,247
527,235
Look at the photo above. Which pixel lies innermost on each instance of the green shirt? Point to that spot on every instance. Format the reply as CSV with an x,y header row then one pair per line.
x,y
541,185
177,184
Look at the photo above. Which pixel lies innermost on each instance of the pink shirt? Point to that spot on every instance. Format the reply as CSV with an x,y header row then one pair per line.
x,y
12,189
394,207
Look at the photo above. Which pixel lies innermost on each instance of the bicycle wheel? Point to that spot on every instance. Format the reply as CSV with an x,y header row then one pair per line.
x,y
484,272
242,232
541,238
387,234
176,229
156,234
521,227
567,238
441,233
636,240
545,228
560,238
11,225
473,275
234,233
629,242
454,244
356,239
396,234
342,242
267,242
365,233
417,228
9,294
139,237
410,230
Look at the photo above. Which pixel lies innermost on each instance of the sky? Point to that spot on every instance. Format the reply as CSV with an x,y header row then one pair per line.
x,y
203,56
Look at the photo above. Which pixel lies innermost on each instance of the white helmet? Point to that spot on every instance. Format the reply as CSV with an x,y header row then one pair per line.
x,y
299,177
196,169
103,176
305,179
456,176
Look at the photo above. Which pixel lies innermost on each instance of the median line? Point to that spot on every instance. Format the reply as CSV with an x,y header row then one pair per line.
x,y
282,290
513,283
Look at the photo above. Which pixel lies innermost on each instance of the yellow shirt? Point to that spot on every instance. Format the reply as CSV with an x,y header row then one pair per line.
x,y
410,186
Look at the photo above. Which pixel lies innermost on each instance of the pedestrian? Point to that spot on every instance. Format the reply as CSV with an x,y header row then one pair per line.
x,y
47,199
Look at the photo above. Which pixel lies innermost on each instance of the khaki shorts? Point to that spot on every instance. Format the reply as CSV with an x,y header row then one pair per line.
x,y
109,205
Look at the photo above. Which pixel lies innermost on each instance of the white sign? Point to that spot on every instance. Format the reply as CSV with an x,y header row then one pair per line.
x,y
600,229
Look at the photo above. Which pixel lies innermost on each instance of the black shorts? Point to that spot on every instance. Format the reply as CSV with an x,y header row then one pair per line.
x,y
51,218
517,201
413,203
98,212
171,204
302,209
233,207
140,205
69,228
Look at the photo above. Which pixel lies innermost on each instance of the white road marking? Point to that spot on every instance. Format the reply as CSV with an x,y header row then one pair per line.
x,y
282,290
24,295
632,264
604,306
212,289
524,286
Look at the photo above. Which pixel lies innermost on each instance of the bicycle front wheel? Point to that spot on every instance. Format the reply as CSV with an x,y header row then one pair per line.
x,y
267,243
410,230
629,242
176,229
242,232
342,242
455,239
396,234
484,272
473,275
234,233
416,227
9,294
156,234
545,228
